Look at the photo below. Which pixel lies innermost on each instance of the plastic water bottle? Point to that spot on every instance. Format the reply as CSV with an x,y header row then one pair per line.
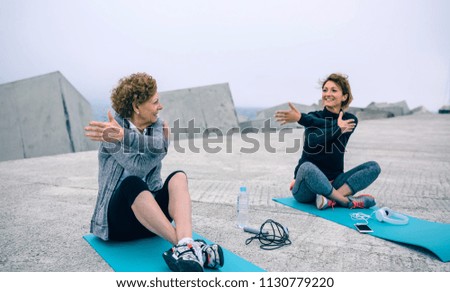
x,y
242,208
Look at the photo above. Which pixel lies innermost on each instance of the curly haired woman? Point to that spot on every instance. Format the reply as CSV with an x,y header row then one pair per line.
x,y
133,202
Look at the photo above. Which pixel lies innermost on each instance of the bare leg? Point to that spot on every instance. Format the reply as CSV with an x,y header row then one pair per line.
x,y
149,214
180,205
339,198
345,190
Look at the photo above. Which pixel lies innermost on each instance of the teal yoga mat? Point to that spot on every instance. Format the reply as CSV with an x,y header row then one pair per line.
x,y
145,255
432,236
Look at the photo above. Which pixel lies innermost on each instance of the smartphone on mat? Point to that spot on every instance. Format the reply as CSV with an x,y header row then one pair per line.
x,y
363,228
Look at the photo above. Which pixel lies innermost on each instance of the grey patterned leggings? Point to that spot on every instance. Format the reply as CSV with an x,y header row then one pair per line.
x,y
310,180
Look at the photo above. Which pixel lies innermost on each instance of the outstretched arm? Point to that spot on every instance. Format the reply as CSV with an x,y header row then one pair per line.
x,y
112,132
288,116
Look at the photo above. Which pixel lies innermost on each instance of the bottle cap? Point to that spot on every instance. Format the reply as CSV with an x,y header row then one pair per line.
x,y
243,189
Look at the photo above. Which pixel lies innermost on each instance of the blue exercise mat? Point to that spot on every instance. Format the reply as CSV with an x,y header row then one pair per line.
x,y
145,255
432,236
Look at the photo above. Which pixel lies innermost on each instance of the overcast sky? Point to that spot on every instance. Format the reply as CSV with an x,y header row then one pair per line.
x,y
269,52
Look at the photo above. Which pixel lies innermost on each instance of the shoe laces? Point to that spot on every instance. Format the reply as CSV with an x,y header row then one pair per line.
x,y
187,254
331,203
361,201
210,255
357,204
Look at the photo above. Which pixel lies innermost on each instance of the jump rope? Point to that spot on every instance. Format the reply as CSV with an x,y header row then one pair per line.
x,y
272,235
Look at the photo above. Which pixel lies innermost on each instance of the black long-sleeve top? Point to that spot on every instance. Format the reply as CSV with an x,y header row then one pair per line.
x,y
324,142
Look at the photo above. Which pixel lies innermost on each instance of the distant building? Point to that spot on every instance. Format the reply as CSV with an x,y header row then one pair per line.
x,y
42,115
207,108
444,109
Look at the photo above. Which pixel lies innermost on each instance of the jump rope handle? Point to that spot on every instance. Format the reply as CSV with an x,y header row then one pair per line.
x,y
252,230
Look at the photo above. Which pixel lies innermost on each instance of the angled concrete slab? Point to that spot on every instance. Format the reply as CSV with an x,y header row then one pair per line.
x,y
43,115
205,107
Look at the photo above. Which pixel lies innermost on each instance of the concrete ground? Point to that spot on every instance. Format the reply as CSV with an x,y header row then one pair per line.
x,y
47,202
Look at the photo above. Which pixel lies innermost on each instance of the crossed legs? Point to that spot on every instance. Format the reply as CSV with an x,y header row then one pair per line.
x,y
311,181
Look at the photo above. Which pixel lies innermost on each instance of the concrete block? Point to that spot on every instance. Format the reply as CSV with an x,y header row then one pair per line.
x,y
205,107
372,114
44,115
397,108
10,130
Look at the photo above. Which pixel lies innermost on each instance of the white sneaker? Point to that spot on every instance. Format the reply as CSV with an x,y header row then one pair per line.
x,y
185,257
322,202
212,255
